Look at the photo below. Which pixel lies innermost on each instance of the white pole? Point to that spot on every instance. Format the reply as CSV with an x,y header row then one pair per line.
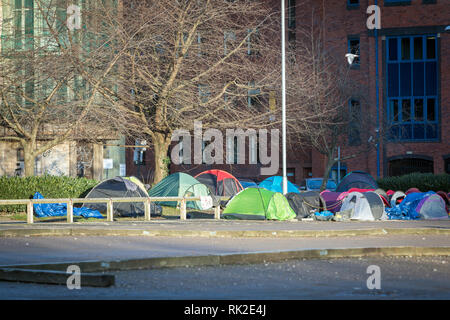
x,y
283,92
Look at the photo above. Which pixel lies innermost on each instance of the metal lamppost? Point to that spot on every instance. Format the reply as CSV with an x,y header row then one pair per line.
x,y
283,92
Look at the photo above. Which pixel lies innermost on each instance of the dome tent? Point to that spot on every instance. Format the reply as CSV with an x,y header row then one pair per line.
x,y
305,203
419,205
221,183
275,184
258,204
179,185
357,179
121,187
367,206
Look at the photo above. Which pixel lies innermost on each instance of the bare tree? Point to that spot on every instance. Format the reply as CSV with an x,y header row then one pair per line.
x,y
44,99
326,98
213,61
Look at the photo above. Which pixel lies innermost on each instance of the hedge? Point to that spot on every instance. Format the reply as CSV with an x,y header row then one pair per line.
x,y
48,186
422,181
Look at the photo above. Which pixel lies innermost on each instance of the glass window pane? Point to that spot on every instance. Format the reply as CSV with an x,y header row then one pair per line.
x,y
405,48
431,131
405,79
406,132
431,109
418,79
418,48
393,84
393,52
431,78
406,110
418,109
431,48
394,110
354,48
419,131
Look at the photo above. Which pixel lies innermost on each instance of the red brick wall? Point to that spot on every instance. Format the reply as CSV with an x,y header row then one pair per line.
x,y
340,22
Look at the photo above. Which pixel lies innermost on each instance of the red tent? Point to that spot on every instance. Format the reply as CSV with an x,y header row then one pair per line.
x,y
220,182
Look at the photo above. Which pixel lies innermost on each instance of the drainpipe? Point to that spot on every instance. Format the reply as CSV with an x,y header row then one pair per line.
x,y
378,99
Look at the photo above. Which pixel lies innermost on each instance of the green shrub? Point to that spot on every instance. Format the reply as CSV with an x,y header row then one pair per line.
x,y
422,181
49,186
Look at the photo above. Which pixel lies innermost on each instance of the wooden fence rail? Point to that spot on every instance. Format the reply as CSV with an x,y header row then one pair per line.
x,y
109,205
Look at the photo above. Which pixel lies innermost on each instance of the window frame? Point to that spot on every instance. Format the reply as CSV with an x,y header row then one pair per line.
x,y
420,66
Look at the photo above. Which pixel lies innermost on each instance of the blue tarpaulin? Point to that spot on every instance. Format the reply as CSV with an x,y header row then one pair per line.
x,y
406,210
42,210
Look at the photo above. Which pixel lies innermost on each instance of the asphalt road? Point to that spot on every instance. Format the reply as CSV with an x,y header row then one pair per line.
x,y
401,278
22,250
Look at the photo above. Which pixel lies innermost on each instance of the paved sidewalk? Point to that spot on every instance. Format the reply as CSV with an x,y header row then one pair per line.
x,y
226,228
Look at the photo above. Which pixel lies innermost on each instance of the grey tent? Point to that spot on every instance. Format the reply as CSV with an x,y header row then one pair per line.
x,y
357,179
367,206
120,187
306,203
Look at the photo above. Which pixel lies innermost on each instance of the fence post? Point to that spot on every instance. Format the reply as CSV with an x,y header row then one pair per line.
x,y
109,211
147,207
70,211
183,209
217,212
30,212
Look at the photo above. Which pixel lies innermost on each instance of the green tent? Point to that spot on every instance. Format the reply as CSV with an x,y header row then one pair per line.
x,y
179,185
258,204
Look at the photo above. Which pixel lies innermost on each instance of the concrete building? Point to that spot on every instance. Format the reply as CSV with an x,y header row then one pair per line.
x,y
80,155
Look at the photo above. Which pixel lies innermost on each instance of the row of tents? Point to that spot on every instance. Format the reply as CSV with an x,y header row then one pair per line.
x,y
357,197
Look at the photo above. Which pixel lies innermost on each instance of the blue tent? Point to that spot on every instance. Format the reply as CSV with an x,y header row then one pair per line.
x,y
245,183
419,205
42,210
275,184
357,179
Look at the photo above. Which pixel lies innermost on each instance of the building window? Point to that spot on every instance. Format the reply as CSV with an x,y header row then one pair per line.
x,y
397,2
352,3
402,166
412,88
354,133
229,37
203,93
253,41
291,20
334,173
23,24
253,95
354,48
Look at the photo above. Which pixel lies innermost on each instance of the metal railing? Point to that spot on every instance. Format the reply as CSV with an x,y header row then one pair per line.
x,y
109,205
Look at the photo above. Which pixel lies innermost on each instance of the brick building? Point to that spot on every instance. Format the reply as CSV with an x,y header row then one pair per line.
x,y
412,85
413,80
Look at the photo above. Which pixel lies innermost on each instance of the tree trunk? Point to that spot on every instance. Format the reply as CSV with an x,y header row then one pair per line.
x,y
161,144
29,159
328,166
